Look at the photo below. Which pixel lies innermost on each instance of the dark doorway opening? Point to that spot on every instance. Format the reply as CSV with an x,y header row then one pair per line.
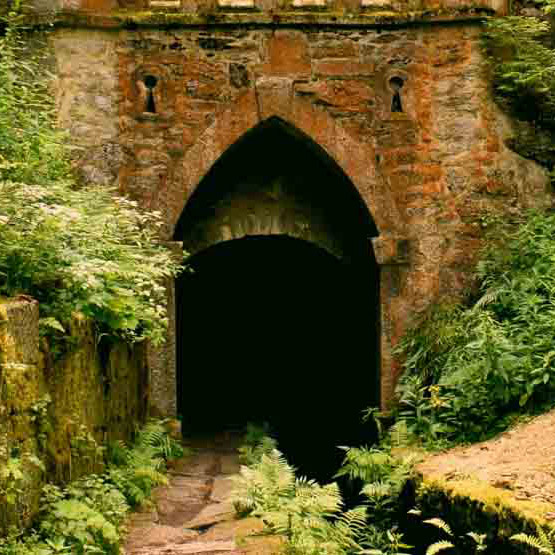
x,y
277,330
272,328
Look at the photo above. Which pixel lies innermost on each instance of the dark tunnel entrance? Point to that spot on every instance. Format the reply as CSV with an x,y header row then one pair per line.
x,y
279,327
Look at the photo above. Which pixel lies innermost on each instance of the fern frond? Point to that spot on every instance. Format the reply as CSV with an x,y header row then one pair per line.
x,y
377,490
439,546
479,540
535,542
399,434
441,524
490,296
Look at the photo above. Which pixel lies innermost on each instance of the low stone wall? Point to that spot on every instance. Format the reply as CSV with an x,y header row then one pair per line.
x,y
56,409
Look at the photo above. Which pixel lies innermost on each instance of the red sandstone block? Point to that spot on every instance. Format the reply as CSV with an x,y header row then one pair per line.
x,y
346,95
288,54
98,5
343,68
334,49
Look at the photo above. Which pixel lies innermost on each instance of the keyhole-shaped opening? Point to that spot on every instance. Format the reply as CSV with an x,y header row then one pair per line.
x,y
396,84
150,83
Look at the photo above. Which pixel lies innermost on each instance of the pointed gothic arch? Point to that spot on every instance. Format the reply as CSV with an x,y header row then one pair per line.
x,y
276,181
356,158
272,101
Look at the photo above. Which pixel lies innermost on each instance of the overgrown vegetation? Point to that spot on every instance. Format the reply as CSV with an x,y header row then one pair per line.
x,y
521,55
466,368
72,248
87,515
311,517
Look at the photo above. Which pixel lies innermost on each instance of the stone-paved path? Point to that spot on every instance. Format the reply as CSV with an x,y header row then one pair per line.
x,y
192,515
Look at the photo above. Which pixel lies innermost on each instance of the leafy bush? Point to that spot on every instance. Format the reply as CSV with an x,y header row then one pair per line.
x,y
308,515
87,516
382,477
468,368
311,517
521,55
72,248
81,527
136,470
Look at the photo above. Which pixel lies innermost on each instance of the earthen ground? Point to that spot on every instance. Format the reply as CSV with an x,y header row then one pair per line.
x,y
192,514
519,465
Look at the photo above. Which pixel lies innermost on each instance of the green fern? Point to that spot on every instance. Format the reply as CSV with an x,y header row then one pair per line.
x,y
439,546
543,542
440,524
479,540
307,514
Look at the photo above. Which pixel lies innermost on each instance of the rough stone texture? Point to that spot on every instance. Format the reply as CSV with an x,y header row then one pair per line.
x,y
338,7
91,390
191,499
20,387
428,174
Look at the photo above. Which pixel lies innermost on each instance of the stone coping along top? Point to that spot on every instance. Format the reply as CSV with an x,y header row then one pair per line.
x,y
183,13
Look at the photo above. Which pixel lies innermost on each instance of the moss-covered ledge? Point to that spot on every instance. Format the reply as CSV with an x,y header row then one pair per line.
x,y
172,20
470,505
499,487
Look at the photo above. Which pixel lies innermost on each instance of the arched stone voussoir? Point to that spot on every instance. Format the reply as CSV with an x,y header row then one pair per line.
x,y
260,217
321,131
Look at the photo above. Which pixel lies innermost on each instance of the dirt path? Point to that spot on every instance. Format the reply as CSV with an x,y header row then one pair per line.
x,y
192,514
518,465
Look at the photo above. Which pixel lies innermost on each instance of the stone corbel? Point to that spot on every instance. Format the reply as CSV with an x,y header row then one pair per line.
x,y
391,250
274,97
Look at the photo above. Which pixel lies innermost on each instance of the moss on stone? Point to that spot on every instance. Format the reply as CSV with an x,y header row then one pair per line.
x,y
470,505
163,20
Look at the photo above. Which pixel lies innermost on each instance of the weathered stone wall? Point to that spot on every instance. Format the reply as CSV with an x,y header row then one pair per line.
x,y
50,404
429,174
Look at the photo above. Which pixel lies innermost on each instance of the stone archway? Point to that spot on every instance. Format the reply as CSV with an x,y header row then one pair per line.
x,y
280,244
260,201
272,99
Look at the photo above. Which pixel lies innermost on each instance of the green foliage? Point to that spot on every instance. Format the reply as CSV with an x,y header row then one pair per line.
x,y
523,71
311,517
81,526
70,247
467,369
307,514
543,542
382,477
471,542
136,470
87,516
256,443
15,477
523,68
